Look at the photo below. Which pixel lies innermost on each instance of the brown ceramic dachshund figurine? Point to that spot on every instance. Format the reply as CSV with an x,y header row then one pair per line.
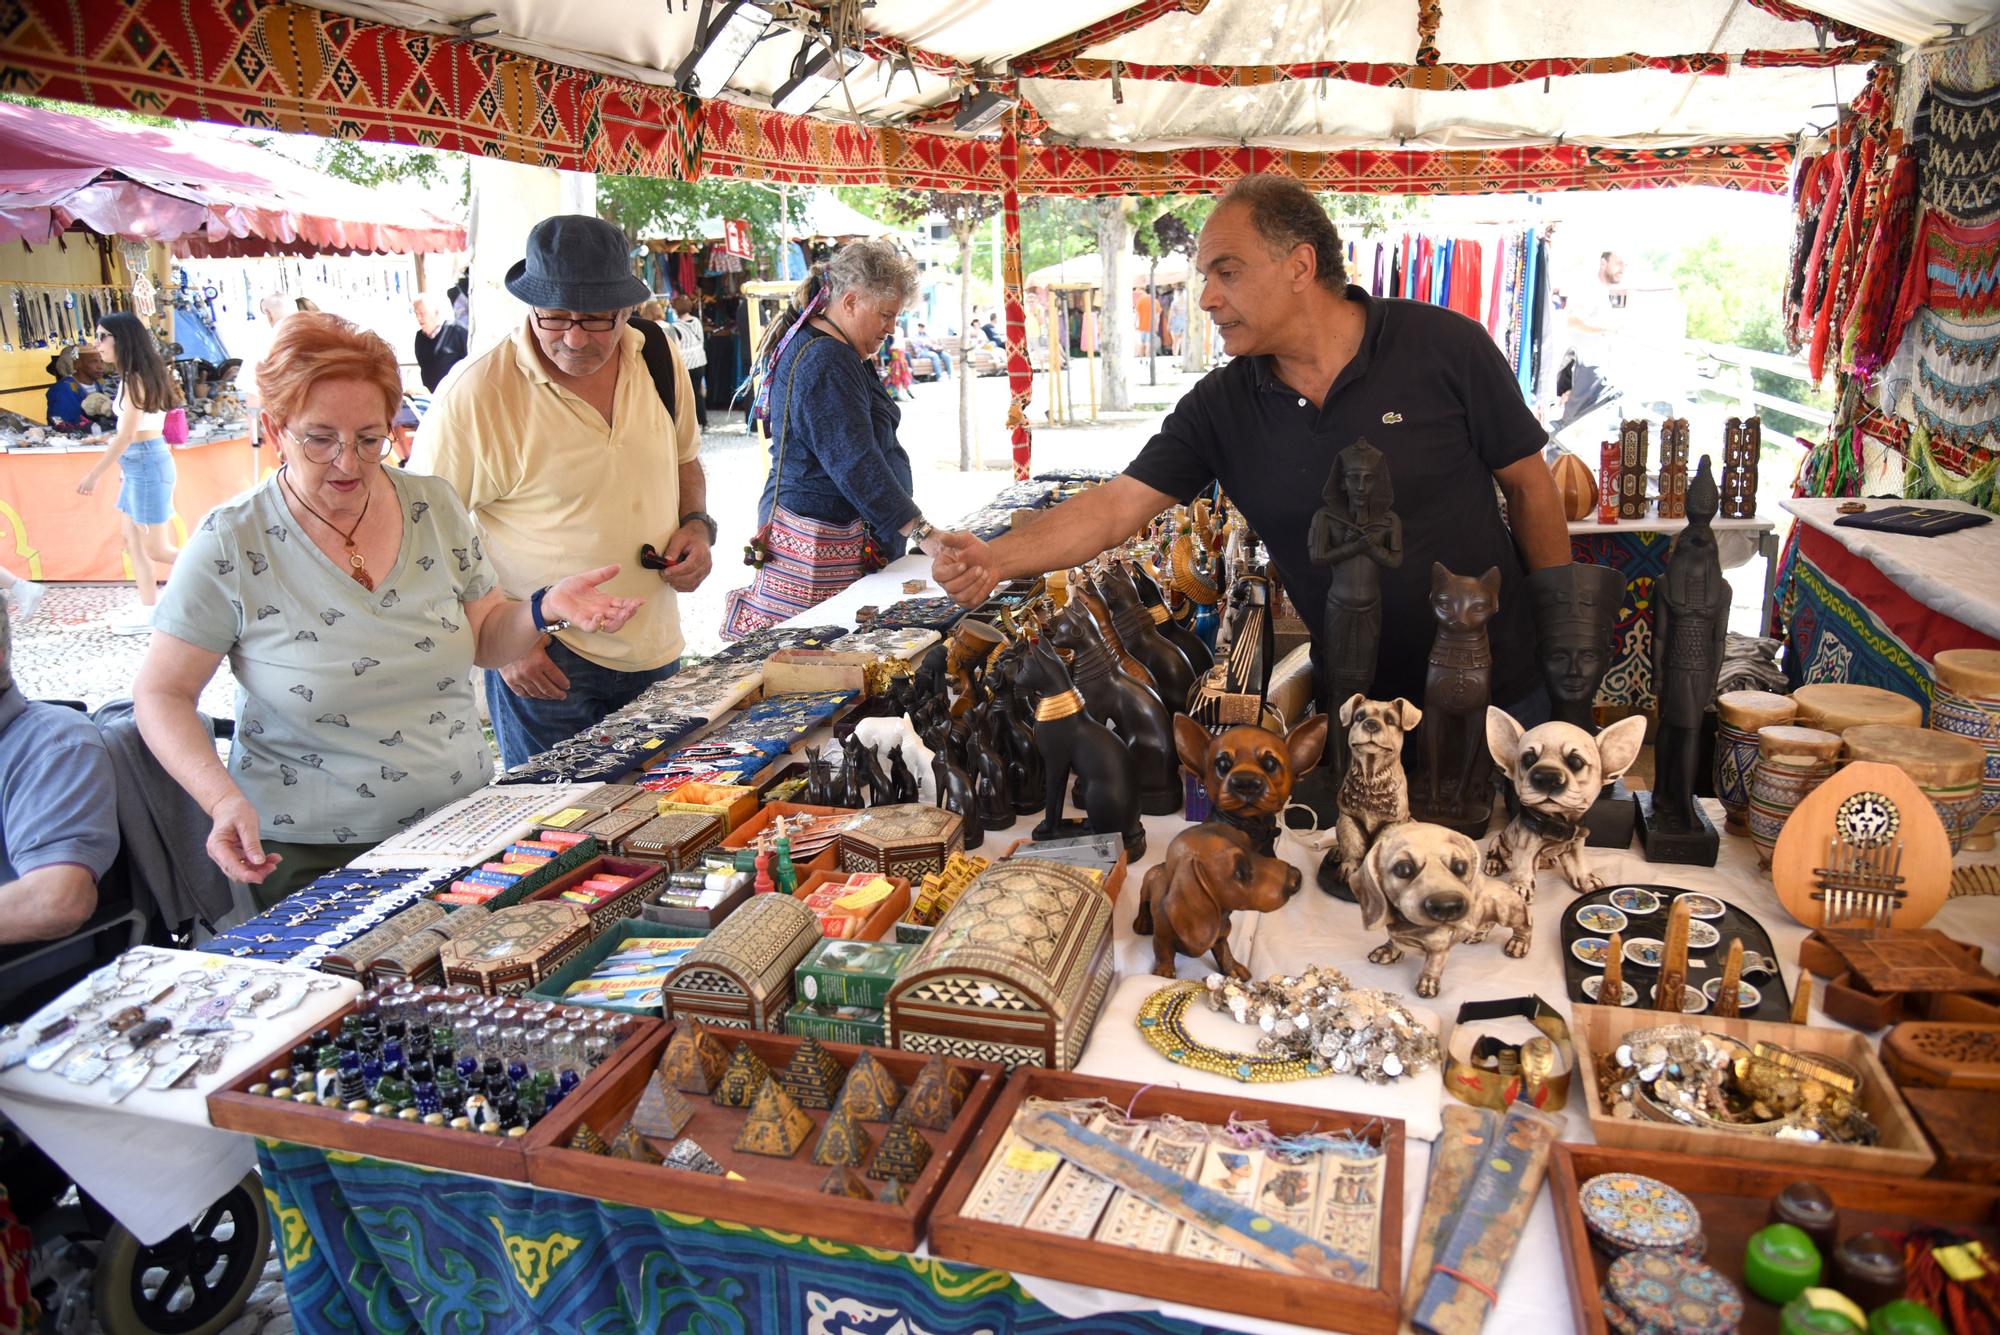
x,y
1249,771
1427,881
1210,871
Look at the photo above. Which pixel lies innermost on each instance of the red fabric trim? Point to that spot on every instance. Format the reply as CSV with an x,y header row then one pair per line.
x,y
1925,631
1138,16
1846,32
1442,77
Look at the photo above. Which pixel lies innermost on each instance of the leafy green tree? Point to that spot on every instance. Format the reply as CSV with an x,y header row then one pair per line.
x,y
965,214
371,165
647,208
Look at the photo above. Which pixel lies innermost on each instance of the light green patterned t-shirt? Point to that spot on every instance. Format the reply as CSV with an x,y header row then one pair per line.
x,y
354,709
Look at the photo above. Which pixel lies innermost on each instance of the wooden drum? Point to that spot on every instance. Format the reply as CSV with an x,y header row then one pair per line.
x,y
1836,706
1950,770
1739,714
1791,762
1966,703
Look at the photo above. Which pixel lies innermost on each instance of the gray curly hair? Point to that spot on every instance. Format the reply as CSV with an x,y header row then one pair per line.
x,y
872,267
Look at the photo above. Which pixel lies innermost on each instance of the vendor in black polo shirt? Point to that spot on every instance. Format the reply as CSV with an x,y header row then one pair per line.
x,y
1316,365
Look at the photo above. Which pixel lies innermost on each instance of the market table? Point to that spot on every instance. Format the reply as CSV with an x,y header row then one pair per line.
x,y
1639,548
375,1244
49,532
1876,608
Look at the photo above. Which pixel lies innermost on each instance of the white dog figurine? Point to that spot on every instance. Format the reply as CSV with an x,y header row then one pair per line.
x,y
1558,770
1373,793
1425,879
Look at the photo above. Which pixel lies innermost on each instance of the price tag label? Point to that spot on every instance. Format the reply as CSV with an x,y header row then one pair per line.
x,y
565,818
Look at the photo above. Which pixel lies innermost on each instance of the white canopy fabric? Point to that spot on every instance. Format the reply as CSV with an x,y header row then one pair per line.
x,y
1641,108
1088,269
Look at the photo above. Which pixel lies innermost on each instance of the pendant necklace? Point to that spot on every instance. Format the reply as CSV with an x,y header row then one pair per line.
x,y
357,563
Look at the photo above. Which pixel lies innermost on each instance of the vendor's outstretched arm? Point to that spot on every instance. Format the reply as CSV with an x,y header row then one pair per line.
x,y
1072,533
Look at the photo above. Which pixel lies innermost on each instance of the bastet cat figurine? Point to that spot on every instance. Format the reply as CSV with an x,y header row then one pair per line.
x,y
1458,686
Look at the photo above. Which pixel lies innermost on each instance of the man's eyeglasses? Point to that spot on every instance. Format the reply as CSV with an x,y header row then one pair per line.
x,y
323,447
589,324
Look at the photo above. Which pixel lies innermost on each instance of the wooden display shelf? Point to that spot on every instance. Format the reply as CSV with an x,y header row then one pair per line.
x,y
234,1108
1902,1149
1734,1197
1376,1310
774,1193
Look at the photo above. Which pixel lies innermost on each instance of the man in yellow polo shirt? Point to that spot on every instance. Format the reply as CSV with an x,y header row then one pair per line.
x,y
562,445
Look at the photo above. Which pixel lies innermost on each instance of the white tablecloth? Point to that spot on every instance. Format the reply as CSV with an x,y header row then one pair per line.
x,y
155,1161
1951,574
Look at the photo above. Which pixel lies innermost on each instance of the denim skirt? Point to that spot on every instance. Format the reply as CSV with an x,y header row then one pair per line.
x,y
146,491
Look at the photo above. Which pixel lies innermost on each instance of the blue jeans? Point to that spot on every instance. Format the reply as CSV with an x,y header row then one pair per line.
x,y
526,727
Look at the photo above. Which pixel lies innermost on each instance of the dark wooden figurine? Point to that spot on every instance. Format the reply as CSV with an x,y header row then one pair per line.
x,y
819,778
1690,619
1576,609
1357,536
1457,789
1072,742
1141,719
1199,656
1173,675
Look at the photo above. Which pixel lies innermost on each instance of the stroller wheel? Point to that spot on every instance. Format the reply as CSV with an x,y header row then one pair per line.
x,y
195,1281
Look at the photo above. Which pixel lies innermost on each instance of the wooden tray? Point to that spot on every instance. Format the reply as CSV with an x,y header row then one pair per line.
x,y
234,1108
881,924
645,878
1113,883
1262,1293
1846,998
1959,1122
1734,1197
1774,1002
1902,1149
775,1193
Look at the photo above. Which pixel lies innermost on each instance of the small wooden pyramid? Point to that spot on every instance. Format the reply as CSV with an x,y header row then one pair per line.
x,y
694,1060
812,1076
634,1146
776,1126
691,1157
894,1192
902,1154
587,1140
843,1140
934,1096
663,1110
845,1181
742,1079
871,1093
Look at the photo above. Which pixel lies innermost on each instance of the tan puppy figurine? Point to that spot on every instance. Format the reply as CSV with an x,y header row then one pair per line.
x,y
1373,794
1210,871
1426,880
1249,771
1557,770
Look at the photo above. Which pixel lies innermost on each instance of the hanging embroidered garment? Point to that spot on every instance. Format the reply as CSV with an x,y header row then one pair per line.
x,y
1870,331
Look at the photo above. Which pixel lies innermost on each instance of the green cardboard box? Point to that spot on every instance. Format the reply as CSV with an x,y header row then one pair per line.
x,y
850,973
837,1024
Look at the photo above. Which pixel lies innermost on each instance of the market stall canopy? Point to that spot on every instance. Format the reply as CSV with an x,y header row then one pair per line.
x,y
1088,271
1107,96
208,195
826,218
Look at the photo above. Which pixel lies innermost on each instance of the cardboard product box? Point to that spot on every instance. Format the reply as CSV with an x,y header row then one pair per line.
x,y
851,973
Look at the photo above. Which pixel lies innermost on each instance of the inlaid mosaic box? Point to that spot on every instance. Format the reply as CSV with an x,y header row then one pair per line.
x,y
740,977
677,839
516,947
1014,973
907,840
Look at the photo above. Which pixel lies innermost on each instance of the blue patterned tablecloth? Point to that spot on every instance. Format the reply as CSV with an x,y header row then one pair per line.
x,y
374,1246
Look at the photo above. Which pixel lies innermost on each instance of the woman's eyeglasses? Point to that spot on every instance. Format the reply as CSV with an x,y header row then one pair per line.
x,y
323,447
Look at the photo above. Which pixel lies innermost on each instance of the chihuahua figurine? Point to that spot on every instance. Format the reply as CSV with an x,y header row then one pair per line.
x,y
1426,880
1557,770
1210,871
1249,771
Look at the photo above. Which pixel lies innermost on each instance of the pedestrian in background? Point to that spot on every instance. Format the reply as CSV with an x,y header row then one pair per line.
x,y
147,391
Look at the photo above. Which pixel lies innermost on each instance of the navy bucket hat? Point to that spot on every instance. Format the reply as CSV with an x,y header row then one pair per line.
x,y
576,263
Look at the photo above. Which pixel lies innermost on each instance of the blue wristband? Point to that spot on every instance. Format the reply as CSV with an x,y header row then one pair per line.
x,y
535,611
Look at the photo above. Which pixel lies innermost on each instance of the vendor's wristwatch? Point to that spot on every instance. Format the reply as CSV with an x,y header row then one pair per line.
x,y
535,611
922,531
708,522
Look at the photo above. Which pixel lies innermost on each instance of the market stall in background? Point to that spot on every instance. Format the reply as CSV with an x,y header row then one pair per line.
x,y
191,232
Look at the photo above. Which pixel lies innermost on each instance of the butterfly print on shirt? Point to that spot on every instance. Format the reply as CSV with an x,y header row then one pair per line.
x,y
258,565
342,834
457,727
278,531
394,775
266,611
208,524
291,775
426,561
418,510
313,758
426,644
312,635
337,720
407,821
225,566
390,599
361,665
437,717
463,564
253,728
283,818
361,790
456,775
394,740
331,615
304,693
476,554
445,684
450,627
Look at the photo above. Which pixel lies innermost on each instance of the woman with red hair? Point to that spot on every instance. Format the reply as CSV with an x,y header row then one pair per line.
x,y
352,600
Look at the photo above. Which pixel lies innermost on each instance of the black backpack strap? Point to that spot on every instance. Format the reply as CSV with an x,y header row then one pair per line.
x,y
659,355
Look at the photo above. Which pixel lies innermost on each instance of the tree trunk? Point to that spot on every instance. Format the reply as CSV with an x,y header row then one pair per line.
x,y
1153,334
1114,246
964,371
1194,343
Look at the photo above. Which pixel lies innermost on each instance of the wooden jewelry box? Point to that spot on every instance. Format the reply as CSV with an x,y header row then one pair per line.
x,y
677,839
354,959
1014,973
904,840
740,977
516,947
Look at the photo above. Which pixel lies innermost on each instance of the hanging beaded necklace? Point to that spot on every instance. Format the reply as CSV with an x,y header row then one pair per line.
x,y
357,563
